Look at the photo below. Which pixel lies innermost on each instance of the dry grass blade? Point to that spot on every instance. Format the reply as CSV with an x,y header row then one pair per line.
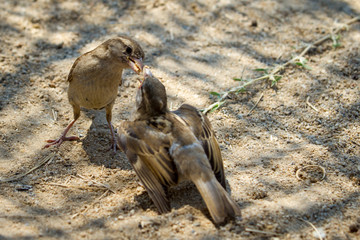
x,y
259,231
257,102
86,208
96,183
45,160
312,225
55,114
310,105
78,187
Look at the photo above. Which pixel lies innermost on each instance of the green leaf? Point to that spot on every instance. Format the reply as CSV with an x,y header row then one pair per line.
x,y
261,70
335,45
238,79
301,61
278,77
241,90
275,80
215,94
217,106
335,39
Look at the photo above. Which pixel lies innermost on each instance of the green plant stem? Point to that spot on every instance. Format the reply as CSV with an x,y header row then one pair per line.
x,y
278,68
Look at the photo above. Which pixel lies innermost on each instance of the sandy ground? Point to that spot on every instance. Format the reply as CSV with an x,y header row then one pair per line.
x,y
193,47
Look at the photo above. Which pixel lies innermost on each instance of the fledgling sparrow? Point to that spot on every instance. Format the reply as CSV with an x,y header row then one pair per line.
x,y
166,147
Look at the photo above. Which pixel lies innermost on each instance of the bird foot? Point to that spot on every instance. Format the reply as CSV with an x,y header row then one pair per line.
x,y
60,140
114,147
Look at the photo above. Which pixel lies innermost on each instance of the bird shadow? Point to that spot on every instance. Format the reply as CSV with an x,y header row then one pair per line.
x,y
97,143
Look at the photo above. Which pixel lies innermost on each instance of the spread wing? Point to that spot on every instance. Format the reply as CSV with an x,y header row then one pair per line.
x,y
147,150
201,127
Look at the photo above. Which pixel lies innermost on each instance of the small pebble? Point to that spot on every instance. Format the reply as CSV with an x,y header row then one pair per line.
x,y
190,217
127,84
23,187
354,228
196,224
254,23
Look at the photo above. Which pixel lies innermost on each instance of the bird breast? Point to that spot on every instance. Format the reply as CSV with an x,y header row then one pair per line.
x,y
94,87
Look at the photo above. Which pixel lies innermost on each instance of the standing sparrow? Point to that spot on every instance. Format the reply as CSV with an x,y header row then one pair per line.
x,y
95,76
166,147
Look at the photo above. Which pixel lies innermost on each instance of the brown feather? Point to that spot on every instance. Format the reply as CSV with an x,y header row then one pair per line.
x,y
175,145
95,76
201,127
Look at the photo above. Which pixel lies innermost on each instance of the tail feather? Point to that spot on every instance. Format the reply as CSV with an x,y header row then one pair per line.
x,y
193,164
217,200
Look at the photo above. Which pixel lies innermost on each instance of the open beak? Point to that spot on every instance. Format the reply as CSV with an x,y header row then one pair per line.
x,y
136,64
146,73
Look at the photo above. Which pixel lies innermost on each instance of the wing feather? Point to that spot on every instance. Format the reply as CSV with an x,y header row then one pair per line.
x,y
146,149
202,129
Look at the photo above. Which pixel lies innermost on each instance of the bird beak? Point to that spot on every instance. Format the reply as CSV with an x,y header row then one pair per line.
x,y
136,64
146,73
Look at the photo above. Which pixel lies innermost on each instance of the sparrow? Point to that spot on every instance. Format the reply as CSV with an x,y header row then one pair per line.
x,y
167,147
94,79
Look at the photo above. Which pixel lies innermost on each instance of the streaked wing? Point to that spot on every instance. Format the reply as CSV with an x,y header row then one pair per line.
x,y
147,150
201,127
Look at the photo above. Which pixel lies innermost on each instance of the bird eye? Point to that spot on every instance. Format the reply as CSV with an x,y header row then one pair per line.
x,y
128,50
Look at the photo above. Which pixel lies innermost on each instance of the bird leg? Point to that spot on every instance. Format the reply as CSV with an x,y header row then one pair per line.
x,y
62,137
108,119
114,142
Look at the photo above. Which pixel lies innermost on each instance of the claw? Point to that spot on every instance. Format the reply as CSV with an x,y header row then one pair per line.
x,y
59,141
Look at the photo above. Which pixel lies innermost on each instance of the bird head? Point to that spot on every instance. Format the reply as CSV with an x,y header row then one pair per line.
x,y
151,99
128,52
